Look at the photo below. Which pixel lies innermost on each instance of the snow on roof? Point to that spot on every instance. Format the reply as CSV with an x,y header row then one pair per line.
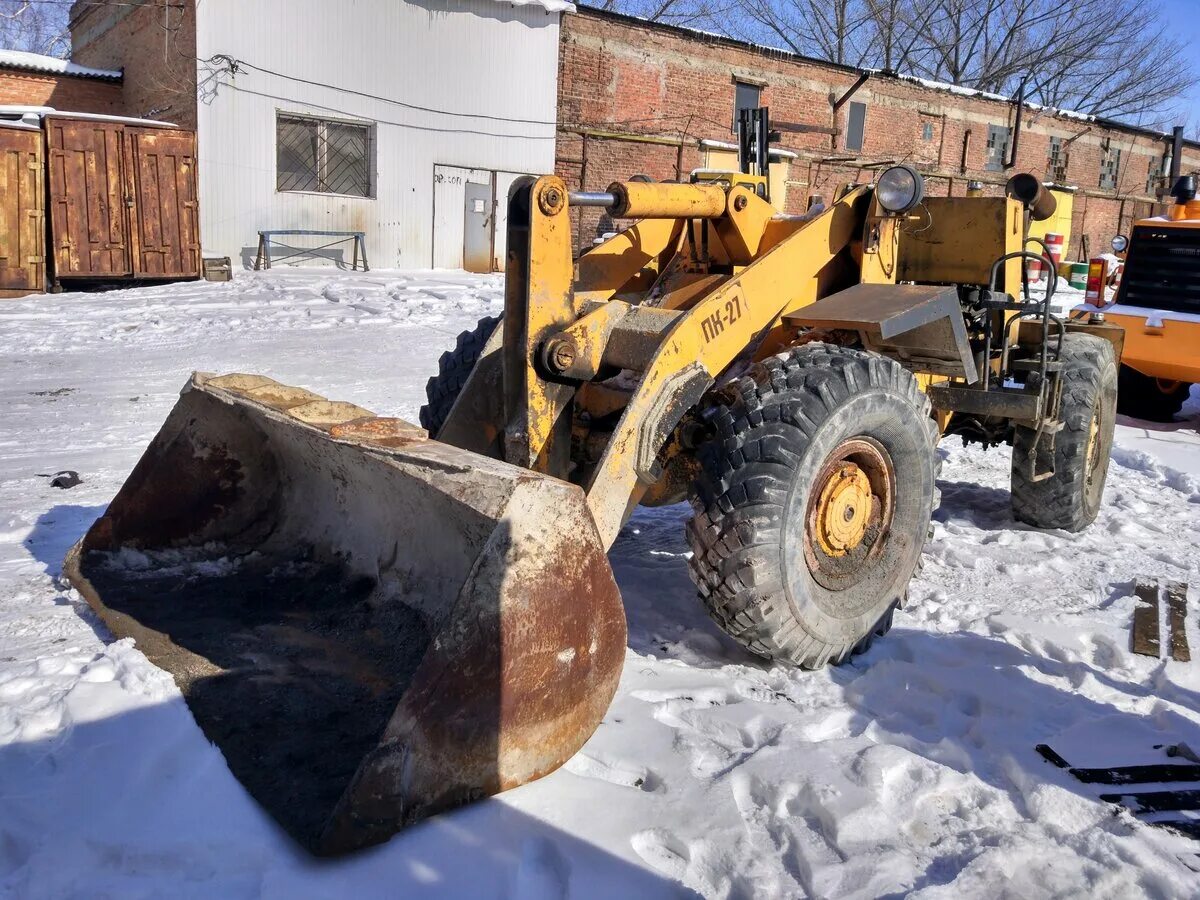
x,y
17,112
984,95
36,62
549,5
709,144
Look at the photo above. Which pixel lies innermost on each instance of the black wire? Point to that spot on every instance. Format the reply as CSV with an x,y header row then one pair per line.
x,y
233,64
237,63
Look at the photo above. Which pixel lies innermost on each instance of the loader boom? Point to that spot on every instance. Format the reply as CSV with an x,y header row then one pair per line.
x,y
558,333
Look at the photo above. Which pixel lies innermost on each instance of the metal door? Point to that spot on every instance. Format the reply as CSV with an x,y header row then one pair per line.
x,y
22,229
160,171
87,198
477,227
504,182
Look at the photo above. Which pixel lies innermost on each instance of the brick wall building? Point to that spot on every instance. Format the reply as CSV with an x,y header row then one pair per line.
x,y
28,79
155,45
637,97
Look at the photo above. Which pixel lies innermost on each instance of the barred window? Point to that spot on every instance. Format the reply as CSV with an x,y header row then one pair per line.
x,y
1154,175
1057,160
323,156
1110,165
998,138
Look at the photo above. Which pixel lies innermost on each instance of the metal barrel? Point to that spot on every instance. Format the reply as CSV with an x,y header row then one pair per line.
x,y
371,626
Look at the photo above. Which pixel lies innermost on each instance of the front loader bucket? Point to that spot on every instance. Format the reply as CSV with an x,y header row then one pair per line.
x,y
371,626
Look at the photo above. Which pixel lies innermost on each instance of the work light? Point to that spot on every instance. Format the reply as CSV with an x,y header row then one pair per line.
x,y
900,188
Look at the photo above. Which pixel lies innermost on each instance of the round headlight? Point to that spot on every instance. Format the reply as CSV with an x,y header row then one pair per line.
x,y
900,188
1119,243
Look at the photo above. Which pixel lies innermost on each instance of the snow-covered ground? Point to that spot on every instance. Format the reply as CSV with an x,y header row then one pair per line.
x,y
911,770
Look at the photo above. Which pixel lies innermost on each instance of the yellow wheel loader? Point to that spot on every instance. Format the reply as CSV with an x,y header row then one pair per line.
x,y
376,622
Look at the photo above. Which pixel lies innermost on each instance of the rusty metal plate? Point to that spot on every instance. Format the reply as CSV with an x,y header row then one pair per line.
x,y
920,325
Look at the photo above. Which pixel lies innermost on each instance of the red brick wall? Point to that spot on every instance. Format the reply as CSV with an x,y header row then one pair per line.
x,y
62,92
158,55
621,76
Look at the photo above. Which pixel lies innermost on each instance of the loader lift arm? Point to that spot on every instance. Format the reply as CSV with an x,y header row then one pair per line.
x,y
556,339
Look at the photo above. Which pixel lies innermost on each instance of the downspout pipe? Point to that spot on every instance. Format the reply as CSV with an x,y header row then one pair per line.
x,y
1016,135
1176,154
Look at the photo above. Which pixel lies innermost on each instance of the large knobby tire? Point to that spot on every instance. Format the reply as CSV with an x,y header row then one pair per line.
x,y
1070,498
1153,399
803,439
454,368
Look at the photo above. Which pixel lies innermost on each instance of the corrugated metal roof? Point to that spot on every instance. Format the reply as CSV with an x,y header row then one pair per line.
x,y
36,62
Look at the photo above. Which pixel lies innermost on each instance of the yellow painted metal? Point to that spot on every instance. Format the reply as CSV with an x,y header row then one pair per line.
x,y
721,160
1059,223
741,231
843,509
962,239
878,263
1185,215
667,200
942,416
828,242
1169,349
605,270
766,266
680,289
537,435
715,332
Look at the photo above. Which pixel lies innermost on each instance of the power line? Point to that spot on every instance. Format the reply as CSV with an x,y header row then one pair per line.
x,y
234,64
409,125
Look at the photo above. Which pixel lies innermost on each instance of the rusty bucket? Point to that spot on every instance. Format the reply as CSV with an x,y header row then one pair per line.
x,y
372,627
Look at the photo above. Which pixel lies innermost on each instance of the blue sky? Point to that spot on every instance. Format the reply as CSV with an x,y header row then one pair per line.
x,y
1184,19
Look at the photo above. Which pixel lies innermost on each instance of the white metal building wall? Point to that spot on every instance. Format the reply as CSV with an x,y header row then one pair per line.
x,y
474,66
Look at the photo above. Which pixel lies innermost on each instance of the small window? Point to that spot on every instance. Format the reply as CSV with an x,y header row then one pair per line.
x,y
1110,165
745,96
856,125
997,147
927,131
1056,160
322,156
1154,174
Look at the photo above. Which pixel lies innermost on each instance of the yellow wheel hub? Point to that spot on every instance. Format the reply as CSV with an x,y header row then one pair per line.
x,y
849,513
844,509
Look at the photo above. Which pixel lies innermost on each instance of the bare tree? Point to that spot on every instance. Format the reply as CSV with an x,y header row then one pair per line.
x,y
1114,58
38,26
687,13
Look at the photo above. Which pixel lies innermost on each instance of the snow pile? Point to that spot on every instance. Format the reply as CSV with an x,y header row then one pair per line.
x,y
36,62
910,771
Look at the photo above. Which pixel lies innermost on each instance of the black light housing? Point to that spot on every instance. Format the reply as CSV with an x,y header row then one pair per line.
x,y
1184,190
899,189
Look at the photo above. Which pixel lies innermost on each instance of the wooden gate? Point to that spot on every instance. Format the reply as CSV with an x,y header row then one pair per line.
x,y
122,200
161,179
87,198
22,222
